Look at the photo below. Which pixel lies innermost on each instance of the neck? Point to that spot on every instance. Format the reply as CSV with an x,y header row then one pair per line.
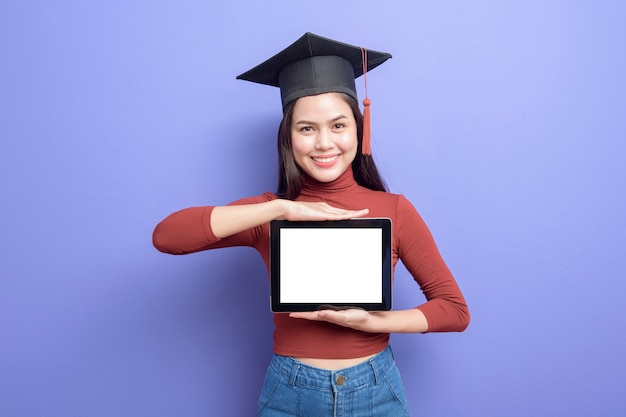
x,y
342,183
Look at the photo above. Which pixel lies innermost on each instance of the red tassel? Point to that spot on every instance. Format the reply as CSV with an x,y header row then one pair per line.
x,y
366,147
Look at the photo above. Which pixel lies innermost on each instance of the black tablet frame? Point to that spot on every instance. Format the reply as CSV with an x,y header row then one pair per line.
x,y
384,224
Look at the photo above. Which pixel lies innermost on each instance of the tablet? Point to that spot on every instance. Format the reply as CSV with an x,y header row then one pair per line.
x,y
330,264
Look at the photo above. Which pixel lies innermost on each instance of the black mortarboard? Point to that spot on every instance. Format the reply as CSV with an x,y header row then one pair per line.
x,y
314,65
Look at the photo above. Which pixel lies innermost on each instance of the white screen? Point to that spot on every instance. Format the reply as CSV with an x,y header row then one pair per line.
x,y
331,265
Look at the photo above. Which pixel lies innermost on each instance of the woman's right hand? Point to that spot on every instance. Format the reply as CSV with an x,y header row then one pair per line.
x,y
186,231
299,210
228,220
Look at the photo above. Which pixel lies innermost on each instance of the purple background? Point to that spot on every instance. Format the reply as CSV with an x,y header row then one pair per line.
x,y
503,122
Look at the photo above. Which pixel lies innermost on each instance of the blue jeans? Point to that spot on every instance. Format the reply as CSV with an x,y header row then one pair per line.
x,y
372,388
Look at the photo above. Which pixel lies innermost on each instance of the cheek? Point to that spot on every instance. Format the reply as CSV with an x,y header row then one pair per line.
x,y
299,146
349,142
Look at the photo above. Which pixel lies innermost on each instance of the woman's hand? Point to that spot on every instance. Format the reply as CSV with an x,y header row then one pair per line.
x,y
228,220
354,318
299,210
397,321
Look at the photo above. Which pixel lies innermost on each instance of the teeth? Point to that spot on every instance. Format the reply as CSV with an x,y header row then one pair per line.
x,y
329,159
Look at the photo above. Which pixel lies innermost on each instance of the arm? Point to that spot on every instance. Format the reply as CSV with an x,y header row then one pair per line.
x,y
200,228
445,309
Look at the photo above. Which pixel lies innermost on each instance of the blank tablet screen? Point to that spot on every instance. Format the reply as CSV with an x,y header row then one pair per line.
x,y
338,263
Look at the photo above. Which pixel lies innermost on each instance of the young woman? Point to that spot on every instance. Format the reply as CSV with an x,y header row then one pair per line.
x,y
327,363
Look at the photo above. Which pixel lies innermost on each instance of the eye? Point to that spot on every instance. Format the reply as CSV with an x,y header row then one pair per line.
x,y
339,126
306,129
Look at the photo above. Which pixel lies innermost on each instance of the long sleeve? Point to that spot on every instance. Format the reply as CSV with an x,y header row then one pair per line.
x,y
445,309
189,230
185,231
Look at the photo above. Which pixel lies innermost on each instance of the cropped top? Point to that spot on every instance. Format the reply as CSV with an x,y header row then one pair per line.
x,y
189,230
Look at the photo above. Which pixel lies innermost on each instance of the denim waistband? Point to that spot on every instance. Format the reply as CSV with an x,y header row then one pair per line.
x,y
370,372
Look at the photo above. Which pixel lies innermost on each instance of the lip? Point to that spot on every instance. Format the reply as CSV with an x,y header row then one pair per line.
x,y
325,161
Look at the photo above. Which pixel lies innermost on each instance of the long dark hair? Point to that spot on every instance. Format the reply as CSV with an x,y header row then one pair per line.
x,y
290,175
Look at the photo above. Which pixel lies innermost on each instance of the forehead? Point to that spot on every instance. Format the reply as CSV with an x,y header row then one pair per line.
x,y
322,106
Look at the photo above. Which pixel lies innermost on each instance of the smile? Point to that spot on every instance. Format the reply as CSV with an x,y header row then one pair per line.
x,y
326,159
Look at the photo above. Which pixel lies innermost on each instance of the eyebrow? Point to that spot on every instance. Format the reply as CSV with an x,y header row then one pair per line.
x,y
306,122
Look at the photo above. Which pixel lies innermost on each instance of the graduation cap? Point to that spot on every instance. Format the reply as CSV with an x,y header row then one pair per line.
x,y
314,65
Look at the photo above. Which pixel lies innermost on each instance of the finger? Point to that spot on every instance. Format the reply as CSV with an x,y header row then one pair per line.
x,y
320,315
361,213
310,315
348,214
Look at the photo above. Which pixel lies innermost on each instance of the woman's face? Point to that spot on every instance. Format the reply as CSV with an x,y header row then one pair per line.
x,y
323,136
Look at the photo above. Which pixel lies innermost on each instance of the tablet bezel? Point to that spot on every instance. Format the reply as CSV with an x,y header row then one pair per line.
x,y
384,224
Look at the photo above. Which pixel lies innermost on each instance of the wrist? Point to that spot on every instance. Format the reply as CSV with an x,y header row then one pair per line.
x,y
280,209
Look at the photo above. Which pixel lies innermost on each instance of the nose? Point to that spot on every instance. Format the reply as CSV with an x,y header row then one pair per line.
x,y
323,140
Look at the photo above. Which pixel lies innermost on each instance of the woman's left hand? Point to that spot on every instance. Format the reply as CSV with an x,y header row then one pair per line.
x,y
397,321
354,318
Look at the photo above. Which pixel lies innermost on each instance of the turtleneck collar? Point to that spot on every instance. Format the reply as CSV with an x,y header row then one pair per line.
x,y
344,182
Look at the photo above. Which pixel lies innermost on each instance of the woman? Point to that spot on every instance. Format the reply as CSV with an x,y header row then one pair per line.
x,y
327,362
